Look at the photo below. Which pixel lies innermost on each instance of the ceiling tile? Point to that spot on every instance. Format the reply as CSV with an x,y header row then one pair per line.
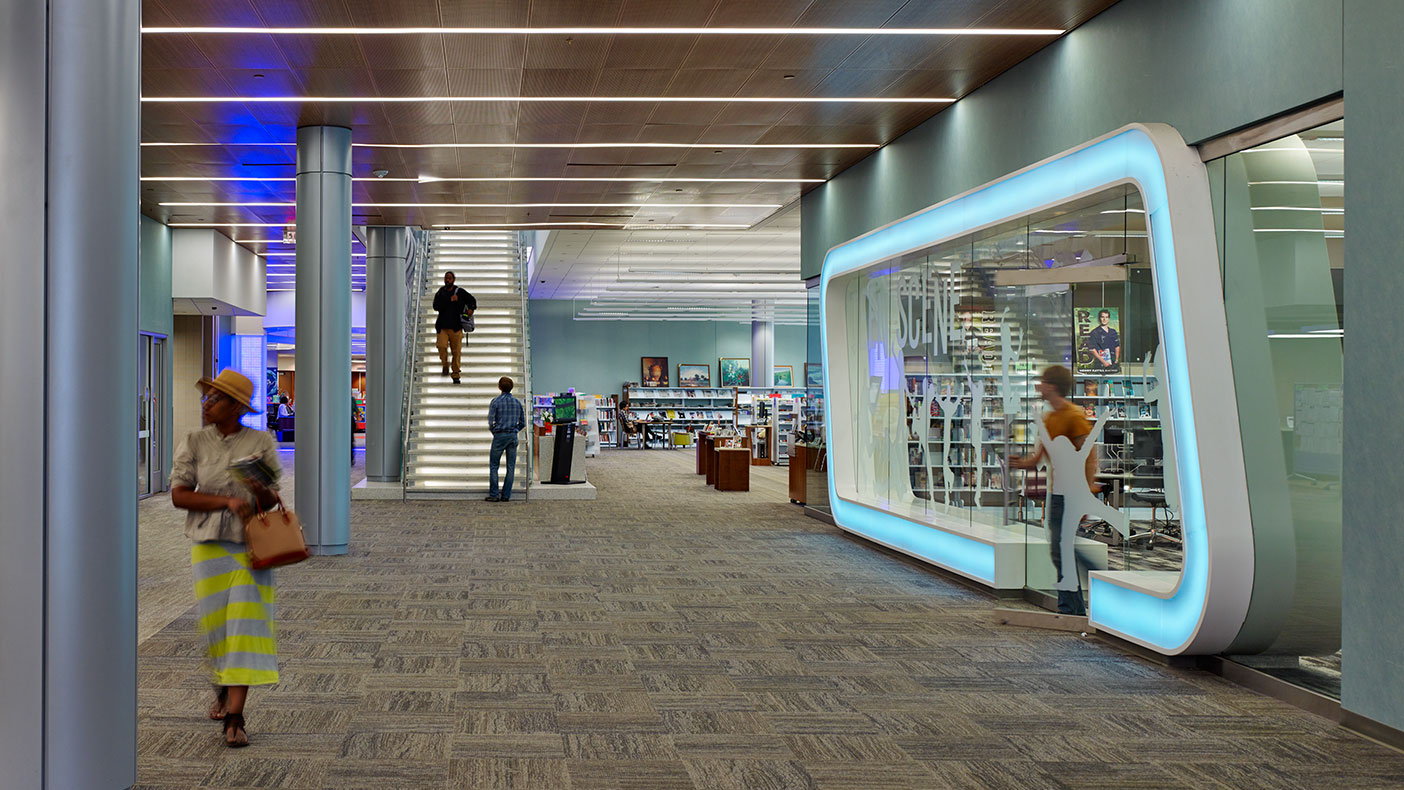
x,y
483,13
322,52
485,52
403,52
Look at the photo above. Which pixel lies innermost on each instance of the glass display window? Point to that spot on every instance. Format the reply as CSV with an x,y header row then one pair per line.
x,y
952,340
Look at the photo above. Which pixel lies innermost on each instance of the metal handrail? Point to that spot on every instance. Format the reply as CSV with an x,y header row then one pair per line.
x,y
416,270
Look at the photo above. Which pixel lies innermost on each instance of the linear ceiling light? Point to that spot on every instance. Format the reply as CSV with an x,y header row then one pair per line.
x,y
547,99
257,204
644,179
253,178
605,225
714,146
608,31
293,254
490,179
231,225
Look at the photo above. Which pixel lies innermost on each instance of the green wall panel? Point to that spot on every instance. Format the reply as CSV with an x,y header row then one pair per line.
x,y
599,356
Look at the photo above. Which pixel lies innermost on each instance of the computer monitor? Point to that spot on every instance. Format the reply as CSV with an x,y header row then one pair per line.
x,y
1113,436
1148,446
563,409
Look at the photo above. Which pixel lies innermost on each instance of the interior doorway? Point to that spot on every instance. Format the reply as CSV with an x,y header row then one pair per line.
x,y
151,389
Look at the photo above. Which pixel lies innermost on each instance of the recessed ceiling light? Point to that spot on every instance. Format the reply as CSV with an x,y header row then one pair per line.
x,y
609,31
545,99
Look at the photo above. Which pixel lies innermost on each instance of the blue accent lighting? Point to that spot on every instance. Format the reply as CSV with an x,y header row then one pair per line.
x,y
1128,157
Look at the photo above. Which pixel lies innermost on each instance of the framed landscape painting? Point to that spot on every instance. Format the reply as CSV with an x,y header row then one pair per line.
x,y
784,376
734,371
694,375
813,375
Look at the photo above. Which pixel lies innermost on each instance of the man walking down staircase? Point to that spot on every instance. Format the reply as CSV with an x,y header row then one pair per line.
x,y
448,440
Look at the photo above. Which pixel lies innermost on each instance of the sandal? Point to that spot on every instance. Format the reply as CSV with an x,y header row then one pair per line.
x,y
221,699
235,722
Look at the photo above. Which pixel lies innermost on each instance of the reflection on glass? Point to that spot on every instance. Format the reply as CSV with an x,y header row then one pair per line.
x,y
950,341
1284,229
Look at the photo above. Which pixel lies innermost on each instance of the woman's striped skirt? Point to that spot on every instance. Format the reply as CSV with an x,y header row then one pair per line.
x,y
236,614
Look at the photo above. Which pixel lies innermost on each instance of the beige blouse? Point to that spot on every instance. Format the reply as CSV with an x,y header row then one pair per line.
x,y
202,463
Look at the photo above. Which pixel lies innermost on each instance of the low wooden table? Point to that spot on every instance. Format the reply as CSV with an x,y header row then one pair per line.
x,y
733,469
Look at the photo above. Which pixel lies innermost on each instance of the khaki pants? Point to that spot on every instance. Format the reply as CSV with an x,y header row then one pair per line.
x,y
450,339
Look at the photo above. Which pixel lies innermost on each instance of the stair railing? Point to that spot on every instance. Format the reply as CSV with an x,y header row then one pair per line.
x,y
523,288
416,274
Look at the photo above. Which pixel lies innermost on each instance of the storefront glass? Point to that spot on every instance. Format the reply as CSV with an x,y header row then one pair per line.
x,y
1283,231
813,419
950,341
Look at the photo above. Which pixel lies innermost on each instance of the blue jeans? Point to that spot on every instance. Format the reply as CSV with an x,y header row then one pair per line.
x,y
501,442
1069,601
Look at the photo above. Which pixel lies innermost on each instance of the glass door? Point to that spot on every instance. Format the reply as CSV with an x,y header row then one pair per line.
x,y
150,399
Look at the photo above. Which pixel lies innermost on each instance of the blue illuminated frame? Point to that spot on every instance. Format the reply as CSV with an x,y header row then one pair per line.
x,y
1175,192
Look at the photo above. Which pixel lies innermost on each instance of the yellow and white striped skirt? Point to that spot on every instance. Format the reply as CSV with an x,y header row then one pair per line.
x,y
236,614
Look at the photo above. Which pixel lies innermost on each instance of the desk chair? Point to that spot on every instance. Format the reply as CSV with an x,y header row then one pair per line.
x,y
1153,476
629,429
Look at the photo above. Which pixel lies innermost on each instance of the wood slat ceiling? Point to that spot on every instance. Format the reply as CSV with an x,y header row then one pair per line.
x,y
542,65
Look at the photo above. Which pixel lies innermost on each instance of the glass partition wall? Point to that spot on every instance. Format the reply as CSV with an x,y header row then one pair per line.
x,y
1282,209
951,340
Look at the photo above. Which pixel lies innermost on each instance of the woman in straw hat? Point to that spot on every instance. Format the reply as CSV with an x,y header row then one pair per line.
x,y
236,602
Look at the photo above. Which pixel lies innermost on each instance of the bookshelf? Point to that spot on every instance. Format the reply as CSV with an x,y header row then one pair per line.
x,y
770,415
1122,393
679,409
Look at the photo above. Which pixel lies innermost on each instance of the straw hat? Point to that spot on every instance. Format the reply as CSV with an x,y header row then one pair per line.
x,y
232,383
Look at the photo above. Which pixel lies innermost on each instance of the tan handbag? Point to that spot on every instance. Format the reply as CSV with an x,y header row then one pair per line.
x,y
275,538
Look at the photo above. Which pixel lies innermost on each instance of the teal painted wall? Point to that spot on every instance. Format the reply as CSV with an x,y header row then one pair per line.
x,y
155,277
1373,544
599,356
1204,66
1209,67
157,315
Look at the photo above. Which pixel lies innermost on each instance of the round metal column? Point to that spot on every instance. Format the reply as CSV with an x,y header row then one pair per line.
x,y
69,210
387,249
323,460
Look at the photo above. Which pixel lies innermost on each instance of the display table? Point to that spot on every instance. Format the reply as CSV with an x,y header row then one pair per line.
x,y
733,469
704,452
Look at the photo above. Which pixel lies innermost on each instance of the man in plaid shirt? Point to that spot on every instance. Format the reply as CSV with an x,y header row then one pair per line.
x,y
506,418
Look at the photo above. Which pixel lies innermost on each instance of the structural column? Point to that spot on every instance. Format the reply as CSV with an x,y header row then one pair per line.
x,y
69,211
762,353
323,458
387,254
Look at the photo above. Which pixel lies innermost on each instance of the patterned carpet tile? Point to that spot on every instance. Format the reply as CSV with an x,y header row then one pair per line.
x,y
669,637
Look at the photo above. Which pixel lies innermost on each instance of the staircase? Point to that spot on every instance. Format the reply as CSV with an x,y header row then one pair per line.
x,y
447,438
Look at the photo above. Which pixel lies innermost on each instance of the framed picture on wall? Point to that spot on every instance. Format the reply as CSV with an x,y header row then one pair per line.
x,y
694,375
784,376
813,375
655,371
734,371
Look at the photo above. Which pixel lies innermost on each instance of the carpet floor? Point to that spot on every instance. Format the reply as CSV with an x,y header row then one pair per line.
x,y
671,636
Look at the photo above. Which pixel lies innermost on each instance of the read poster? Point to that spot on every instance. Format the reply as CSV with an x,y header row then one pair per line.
x,y
1097,331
